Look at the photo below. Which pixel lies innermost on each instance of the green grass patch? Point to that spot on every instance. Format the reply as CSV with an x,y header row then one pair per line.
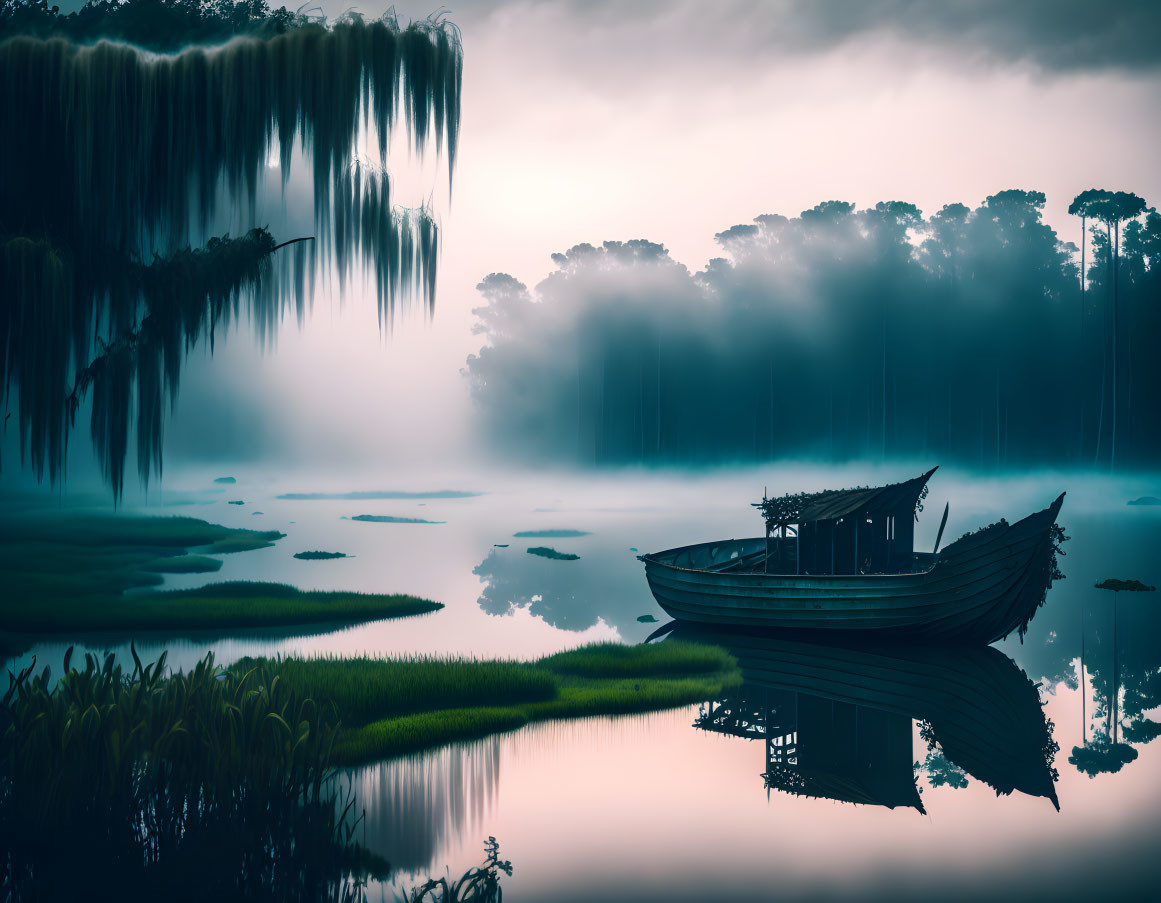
x,y
616,660
67,573
319,556
219,605
55,559
183,564
552,554
365,690
394,706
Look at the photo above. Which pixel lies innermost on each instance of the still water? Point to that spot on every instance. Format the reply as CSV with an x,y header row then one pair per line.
x,y
829,775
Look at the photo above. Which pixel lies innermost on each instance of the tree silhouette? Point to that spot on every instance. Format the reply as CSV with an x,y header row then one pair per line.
x,y
777,348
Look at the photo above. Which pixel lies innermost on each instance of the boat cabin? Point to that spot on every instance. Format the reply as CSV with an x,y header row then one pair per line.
x,y
844,531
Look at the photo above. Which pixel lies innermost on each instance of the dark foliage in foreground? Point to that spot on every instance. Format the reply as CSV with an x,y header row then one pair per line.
x,y
212,783
480,884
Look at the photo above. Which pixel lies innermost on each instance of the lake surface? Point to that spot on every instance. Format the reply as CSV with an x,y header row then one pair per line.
x,y
654,807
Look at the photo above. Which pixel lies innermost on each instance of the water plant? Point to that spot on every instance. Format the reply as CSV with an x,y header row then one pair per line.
x,y
1125,586
216,779
318,556
479,884
550,553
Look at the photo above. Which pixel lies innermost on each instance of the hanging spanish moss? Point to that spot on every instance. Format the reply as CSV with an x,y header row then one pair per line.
x,y
124,155
119,146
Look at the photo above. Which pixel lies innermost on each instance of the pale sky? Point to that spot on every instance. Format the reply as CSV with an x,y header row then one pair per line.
x,y
584,122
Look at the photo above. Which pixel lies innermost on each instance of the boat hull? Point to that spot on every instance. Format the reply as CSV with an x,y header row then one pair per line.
x,y
978,589
984,711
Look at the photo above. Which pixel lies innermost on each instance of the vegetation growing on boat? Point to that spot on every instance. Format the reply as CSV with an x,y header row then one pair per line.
x,y
319,556
216,779
547,552
1125,586
389,707
233,604
942,773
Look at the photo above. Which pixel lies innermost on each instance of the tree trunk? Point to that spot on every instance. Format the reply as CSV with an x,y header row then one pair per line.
x,y
1116,268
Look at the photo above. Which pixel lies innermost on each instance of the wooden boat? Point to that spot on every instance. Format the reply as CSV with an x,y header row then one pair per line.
x,y
836,720
842,563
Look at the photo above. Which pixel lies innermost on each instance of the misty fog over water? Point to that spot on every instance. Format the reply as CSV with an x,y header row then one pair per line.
x,y
485,305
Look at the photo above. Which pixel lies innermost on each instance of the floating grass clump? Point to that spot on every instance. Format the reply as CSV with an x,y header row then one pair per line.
x,y
385,494
389,707
319,556
1125,586
550,534
227,480
234,604
216,779
547,552
390,519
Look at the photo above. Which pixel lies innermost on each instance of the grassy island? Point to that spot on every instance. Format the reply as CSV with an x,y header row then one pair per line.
x,y
394,706
76,573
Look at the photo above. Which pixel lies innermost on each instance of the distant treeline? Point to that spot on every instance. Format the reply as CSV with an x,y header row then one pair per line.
x,y
842,333
159,25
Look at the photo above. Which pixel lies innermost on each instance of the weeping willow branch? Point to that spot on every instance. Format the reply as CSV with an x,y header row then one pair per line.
x,y
121,152
116,142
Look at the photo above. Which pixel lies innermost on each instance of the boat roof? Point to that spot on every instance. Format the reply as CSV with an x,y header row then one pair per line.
x,y
831,504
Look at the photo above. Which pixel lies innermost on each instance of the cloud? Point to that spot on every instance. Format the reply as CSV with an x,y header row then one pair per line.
x,y
1053,36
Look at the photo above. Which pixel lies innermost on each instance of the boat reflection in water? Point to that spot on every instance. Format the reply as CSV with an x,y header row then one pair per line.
x,y
836,721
